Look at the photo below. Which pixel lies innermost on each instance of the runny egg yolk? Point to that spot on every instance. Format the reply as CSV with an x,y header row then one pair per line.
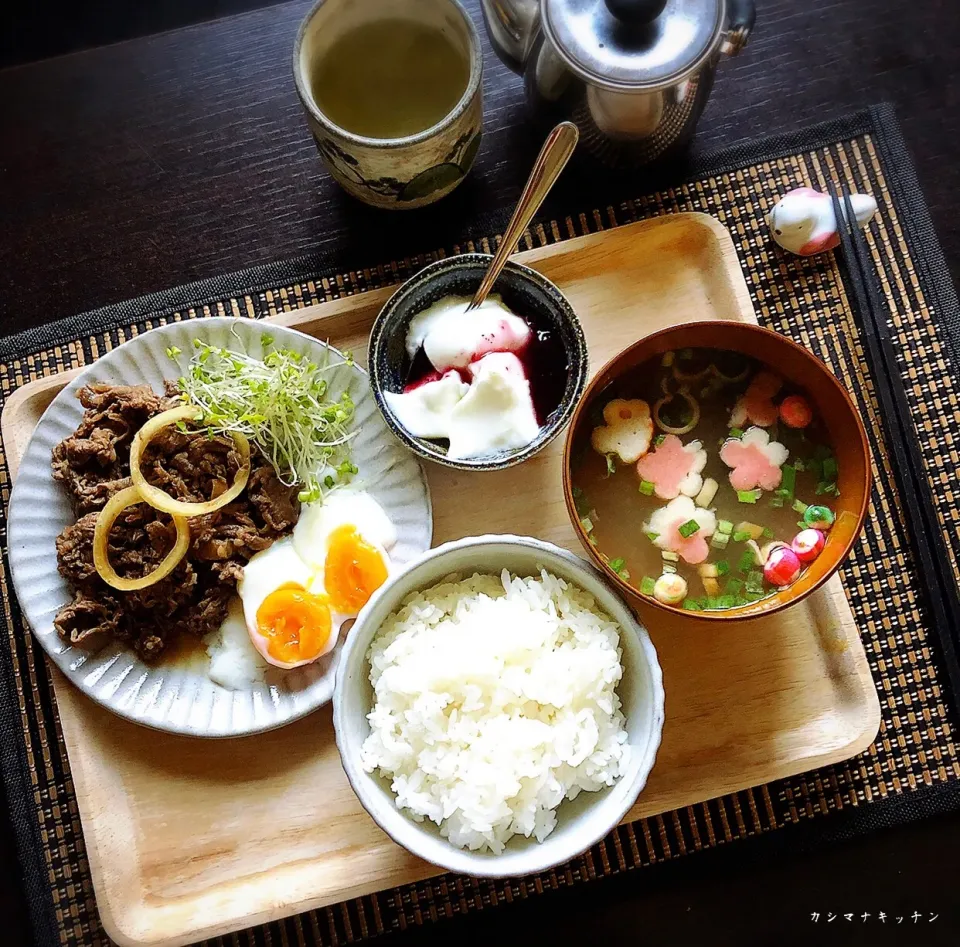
x,y
295,623
353,571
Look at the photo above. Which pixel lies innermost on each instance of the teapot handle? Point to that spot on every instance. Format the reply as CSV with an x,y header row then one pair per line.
x,y
740,19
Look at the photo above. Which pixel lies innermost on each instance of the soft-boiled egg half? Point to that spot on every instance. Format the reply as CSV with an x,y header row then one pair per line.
x,y
297,594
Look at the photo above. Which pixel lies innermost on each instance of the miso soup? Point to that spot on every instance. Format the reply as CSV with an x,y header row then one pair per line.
x,y
705,480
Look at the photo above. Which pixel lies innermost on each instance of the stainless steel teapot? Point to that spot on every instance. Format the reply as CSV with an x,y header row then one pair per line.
x,y
633,74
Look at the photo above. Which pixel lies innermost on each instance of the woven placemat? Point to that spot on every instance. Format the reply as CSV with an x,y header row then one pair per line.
x,y
911,770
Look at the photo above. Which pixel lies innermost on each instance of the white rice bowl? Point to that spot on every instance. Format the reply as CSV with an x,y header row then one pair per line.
x,y
494,701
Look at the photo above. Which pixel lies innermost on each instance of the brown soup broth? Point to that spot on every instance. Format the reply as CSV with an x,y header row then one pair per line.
x,y
619,512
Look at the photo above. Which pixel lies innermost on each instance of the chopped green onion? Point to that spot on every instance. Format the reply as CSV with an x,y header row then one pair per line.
x,y
689,528
735,432
799,506
776,502
767,533
749,496
668,568
723,567
647,584
668,556
659,439
611,465
646,488
747,561
618,564
799,465
788,482
724,526
586,523
580,503
720,540
741,536
652,537
824,487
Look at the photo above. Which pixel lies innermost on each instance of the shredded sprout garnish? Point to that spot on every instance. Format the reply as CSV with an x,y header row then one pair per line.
x,y
282,404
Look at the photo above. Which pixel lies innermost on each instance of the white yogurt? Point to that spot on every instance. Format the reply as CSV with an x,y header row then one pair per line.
x,y
497,413
494,412
425,411
451,337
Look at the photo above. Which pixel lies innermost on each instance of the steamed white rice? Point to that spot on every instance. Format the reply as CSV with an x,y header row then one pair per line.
x,y
495,700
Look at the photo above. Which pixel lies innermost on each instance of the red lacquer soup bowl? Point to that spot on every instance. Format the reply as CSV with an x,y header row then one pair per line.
x,y
800,370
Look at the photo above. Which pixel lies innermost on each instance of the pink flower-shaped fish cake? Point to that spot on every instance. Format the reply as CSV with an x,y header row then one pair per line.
x,y
674,467
754,460
755,405
665,523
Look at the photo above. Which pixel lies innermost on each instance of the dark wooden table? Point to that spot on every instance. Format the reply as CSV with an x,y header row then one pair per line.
x,y
162,159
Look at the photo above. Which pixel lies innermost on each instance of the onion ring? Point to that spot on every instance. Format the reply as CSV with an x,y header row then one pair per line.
x,y
163,501
694,413
130,496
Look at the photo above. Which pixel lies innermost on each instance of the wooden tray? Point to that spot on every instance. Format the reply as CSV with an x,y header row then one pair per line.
x,y
189,839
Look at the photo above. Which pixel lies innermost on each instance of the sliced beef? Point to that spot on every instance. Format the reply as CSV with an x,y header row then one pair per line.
x,y
89,619
75,551
93,464
190,467
275,501
206,614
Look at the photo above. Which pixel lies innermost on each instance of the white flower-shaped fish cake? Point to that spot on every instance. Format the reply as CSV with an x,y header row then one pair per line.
x,y
627,432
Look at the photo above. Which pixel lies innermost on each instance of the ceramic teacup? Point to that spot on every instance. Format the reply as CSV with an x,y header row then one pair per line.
x,y
405,172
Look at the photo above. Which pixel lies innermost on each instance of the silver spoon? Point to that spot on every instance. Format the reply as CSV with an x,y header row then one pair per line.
x,y
550,162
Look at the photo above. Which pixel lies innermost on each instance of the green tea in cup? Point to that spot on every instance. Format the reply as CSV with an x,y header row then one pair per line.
x,y
393,95
390,78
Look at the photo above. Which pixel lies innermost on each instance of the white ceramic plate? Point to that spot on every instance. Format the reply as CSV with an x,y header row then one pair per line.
x,y
180,697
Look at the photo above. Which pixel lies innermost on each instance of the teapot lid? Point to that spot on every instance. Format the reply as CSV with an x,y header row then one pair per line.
x,y
633,44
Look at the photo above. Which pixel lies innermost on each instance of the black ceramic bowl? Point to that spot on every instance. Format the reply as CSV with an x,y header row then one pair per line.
x,y
524,291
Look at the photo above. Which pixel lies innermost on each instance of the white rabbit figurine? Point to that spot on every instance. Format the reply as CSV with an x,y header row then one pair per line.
x,y
804,223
